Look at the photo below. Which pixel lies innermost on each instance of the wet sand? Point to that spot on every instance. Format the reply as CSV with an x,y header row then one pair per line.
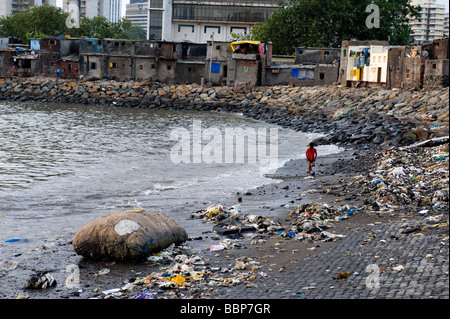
x,y
275,200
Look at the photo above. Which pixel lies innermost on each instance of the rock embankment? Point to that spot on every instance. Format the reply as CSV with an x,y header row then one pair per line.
x,y
363,116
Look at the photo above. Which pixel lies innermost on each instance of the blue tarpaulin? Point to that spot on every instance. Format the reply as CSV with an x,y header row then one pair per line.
x,y
215,67
294,73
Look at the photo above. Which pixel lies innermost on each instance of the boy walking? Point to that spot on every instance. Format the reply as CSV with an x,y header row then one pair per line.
x,y
311,155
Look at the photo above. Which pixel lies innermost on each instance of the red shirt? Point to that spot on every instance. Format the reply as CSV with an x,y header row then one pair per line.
x,y
311,153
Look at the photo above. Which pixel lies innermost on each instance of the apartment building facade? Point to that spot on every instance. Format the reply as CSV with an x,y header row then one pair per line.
x,y
110,9
431,23
8,7
198,21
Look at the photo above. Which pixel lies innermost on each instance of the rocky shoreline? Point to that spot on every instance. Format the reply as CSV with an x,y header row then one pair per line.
x,y
362,116
400,221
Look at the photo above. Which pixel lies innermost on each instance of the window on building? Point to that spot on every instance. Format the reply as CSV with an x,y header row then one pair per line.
x,y
141,67
215,28
113,65
322,76
153,66
93,66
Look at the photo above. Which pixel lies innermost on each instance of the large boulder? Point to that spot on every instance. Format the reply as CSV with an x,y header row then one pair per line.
x,y
127,236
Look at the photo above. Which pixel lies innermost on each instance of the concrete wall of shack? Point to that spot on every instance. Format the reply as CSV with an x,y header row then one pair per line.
x,y
436,73
120,68
70,69
93,66
146,68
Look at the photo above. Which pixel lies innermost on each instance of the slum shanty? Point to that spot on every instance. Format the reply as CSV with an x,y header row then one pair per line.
x,y
235,64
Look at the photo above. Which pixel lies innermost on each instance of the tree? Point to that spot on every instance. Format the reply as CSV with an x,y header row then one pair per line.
x,y
41,21
100,27
35,22
319,23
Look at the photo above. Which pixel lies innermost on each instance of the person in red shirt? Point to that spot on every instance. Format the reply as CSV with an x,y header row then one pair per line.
x,y
311,156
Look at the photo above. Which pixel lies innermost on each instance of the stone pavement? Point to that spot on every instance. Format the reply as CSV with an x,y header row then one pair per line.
x,y
403,265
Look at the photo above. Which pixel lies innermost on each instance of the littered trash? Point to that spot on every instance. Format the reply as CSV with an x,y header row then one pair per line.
x,y
113,292
398,268
103,271
6,266
40,281
145,295
16,240
342,275
217,247
398,171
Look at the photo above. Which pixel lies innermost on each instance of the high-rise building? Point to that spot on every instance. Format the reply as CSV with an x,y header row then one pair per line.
x,y
110,9
198,21
8,7
136,13
431,23
5,8
115,10
446,32
203,20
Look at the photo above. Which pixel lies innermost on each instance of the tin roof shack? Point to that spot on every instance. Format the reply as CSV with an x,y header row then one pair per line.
x,y
155,61
311,67
93,63
5,42
166,58
436,70
248,59
35,44
24,63
218,56
145,60
405,67
190,66
120,54
70,67
52,49
313,56
6,61
349,74
367,64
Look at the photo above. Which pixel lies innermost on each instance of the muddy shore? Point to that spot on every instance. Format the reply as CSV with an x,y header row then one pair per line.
x,y
277,256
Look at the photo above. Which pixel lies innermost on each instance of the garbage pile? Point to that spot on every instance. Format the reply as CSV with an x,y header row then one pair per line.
x,y
410,180
230,220
187,276
308,222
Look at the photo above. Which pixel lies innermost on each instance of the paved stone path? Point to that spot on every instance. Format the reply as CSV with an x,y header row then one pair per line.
x,y
421,257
